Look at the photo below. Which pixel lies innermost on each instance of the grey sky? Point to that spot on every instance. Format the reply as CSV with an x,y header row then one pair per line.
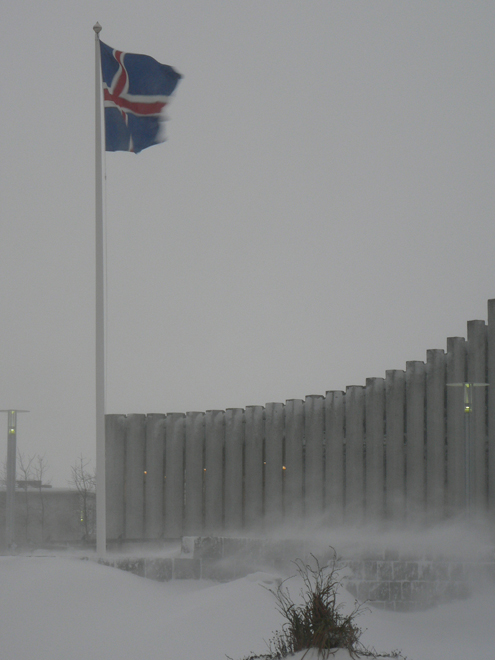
x,y
323,209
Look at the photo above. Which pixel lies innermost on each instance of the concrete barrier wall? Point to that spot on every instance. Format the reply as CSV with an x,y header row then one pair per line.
x,y
393,449
50,517
386,577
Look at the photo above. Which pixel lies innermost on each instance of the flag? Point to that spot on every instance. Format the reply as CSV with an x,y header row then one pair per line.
x,y
136,88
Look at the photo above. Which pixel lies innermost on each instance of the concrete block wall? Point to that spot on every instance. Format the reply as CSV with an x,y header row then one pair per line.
x,y
52,516
386,578
162,569
410,584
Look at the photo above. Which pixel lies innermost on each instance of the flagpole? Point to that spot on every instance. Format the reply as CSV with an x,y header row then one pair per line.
x,y
101,532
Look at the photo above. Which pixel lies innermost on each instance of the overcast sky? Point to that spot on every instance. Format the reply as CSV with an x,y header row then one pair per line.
x,y
322,211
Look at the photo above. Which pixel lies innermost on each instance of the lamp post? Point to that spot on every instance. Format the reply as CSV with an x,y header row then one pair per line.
x,y
11,460
468,409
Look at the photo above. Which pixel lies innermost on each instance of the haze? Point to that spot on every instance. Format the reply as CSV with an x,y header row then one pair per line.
x,y
322,210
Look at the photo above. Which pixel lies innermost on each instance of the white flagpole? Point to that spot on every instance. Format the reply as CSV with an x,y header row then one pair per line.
x,y
101,531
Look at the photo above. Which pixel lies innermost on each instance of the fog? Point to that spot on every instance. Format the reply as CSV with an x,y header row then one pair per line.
x,y
322,210
451,539
59,607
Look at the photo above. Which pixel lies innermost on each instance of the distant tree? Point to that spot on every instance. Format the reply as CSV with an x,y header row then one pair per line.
x,y
25,470
83,479
39,471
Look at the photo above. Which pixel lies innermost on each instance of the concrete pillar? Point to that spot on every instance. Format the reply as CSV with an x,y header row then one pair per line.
x,y
234,441
314,433
334,457
375,476
456,373
354,454
153,478
477,373
274,448
415,439
115,434
194,473
254,430
134,477
174,475
214,447
395,459
293,473
491,406
435,434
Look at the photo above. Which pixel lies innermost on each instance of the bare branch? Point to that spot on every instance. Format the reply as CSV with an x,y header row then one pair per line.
x,y
40,469
25,468
83,479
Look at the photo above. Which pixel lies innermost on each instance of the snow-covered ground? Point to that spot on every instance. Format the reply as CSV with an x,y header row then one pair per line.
x,y
62,608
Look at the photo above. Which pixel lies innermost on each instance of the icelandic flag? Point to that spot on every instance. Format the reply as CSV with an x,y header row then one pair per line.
x,y
136,88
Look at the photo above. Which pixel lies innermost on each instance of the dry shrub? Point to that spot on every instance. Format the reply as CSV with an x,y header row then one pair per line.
x,y
317,621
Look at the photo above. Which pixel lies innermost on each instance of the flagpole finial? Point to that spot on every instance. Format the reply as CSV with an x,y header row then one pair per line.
x,y
97,28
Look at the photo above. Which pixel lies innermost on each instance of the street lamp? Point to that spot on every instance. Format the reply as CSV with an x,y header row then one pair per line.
x,y
468,409
11,459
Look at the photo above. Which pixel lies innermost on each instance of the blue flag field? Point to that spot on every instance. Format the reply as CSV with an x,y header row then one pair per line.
x,y
136,89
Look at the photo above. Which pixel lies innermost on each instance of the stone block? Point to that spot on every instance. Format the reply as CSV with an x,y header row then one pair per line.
x,y
187,569
236,547
405,570
379,591
208,547
384,570
160,570
370,570
106,562
428,570
424,592
135,566
395,591
188,545
405,591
